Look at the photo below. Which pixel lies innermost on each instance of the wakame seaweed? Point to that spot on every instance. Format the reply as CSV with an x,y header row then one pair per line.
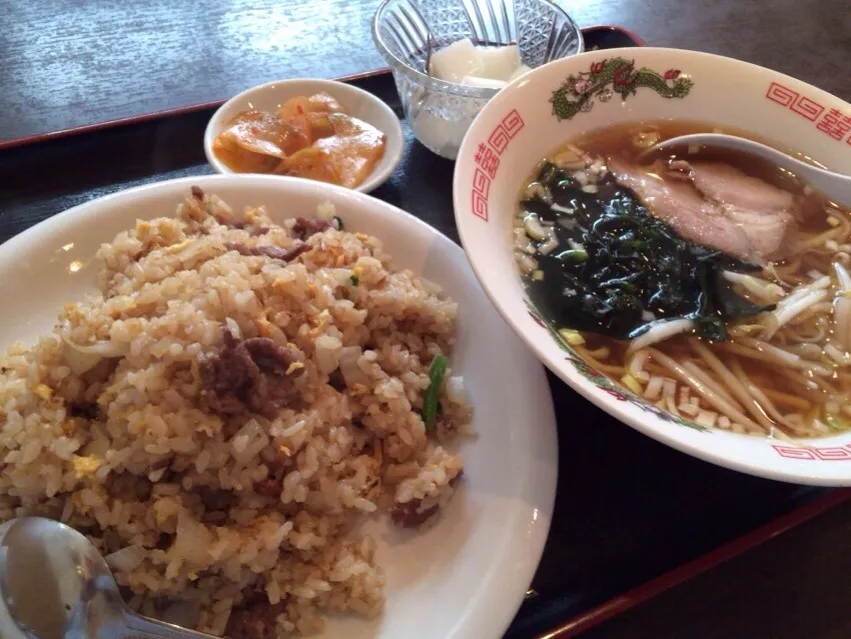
x,y
616,267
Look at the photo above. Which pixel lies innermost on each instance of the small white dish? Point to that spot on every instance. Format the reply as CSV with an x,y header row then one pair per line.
x,y
467,575
357,103
563,100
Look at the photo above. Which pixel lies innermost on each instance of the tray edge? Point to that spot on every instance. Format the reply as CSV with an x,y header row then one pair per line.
x,y
695,567
148,117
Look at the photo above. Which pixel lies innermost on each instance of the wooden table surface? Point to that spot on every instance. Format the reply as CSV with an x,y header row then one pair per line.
x,y
69,63
66,63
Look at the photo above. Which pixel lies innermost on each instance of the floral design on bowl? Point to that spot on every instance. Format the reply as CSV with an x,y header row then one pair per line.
x,y
613,76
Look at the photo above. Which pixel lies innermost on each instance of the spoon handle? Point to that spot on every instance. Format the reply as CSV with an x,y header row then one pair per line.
x,y
138,627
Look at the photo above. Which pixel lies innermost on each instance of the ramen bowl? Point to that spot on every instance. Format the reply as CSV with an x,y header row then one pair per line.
x,y
570,98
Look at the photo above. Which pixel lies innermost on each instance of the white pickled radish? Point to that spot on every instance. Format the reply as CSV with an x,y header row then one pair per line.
x,y
435,132
498,63
459,59
477,66
521,71
482,83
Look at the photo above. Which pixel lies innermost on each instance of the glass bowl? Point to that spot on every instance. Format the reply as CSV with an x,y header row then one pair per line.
x,y
440,112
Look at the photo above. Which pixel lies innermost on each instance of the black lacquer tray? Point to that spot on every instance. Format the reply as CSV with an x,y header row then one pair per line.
x,y
632,517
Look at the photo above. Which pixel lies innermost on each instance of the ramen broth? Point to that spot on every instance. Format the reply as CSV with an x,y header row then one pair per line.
x,y
631,140
757,346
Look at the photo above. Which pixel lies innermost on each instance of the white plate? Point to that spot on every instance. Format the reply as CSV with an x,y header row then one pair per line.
x,y
357,103
466,576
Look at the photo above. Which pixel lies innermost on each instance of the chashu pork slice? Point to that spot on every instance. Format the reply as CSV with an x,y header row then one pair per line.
x,y
720,207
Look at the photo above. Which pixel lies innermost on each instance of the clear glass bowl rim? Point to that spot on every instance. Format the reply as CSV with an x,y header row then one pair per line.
x,y
451,87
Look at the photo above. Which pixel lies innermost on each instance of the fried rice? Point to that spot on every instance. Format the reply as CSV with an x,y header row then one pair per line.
x,y
239,398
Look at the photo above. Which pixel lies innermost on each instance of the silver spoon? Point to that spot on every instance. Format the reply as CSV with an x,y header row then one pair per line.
x,y
834,186
429,50
55,585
